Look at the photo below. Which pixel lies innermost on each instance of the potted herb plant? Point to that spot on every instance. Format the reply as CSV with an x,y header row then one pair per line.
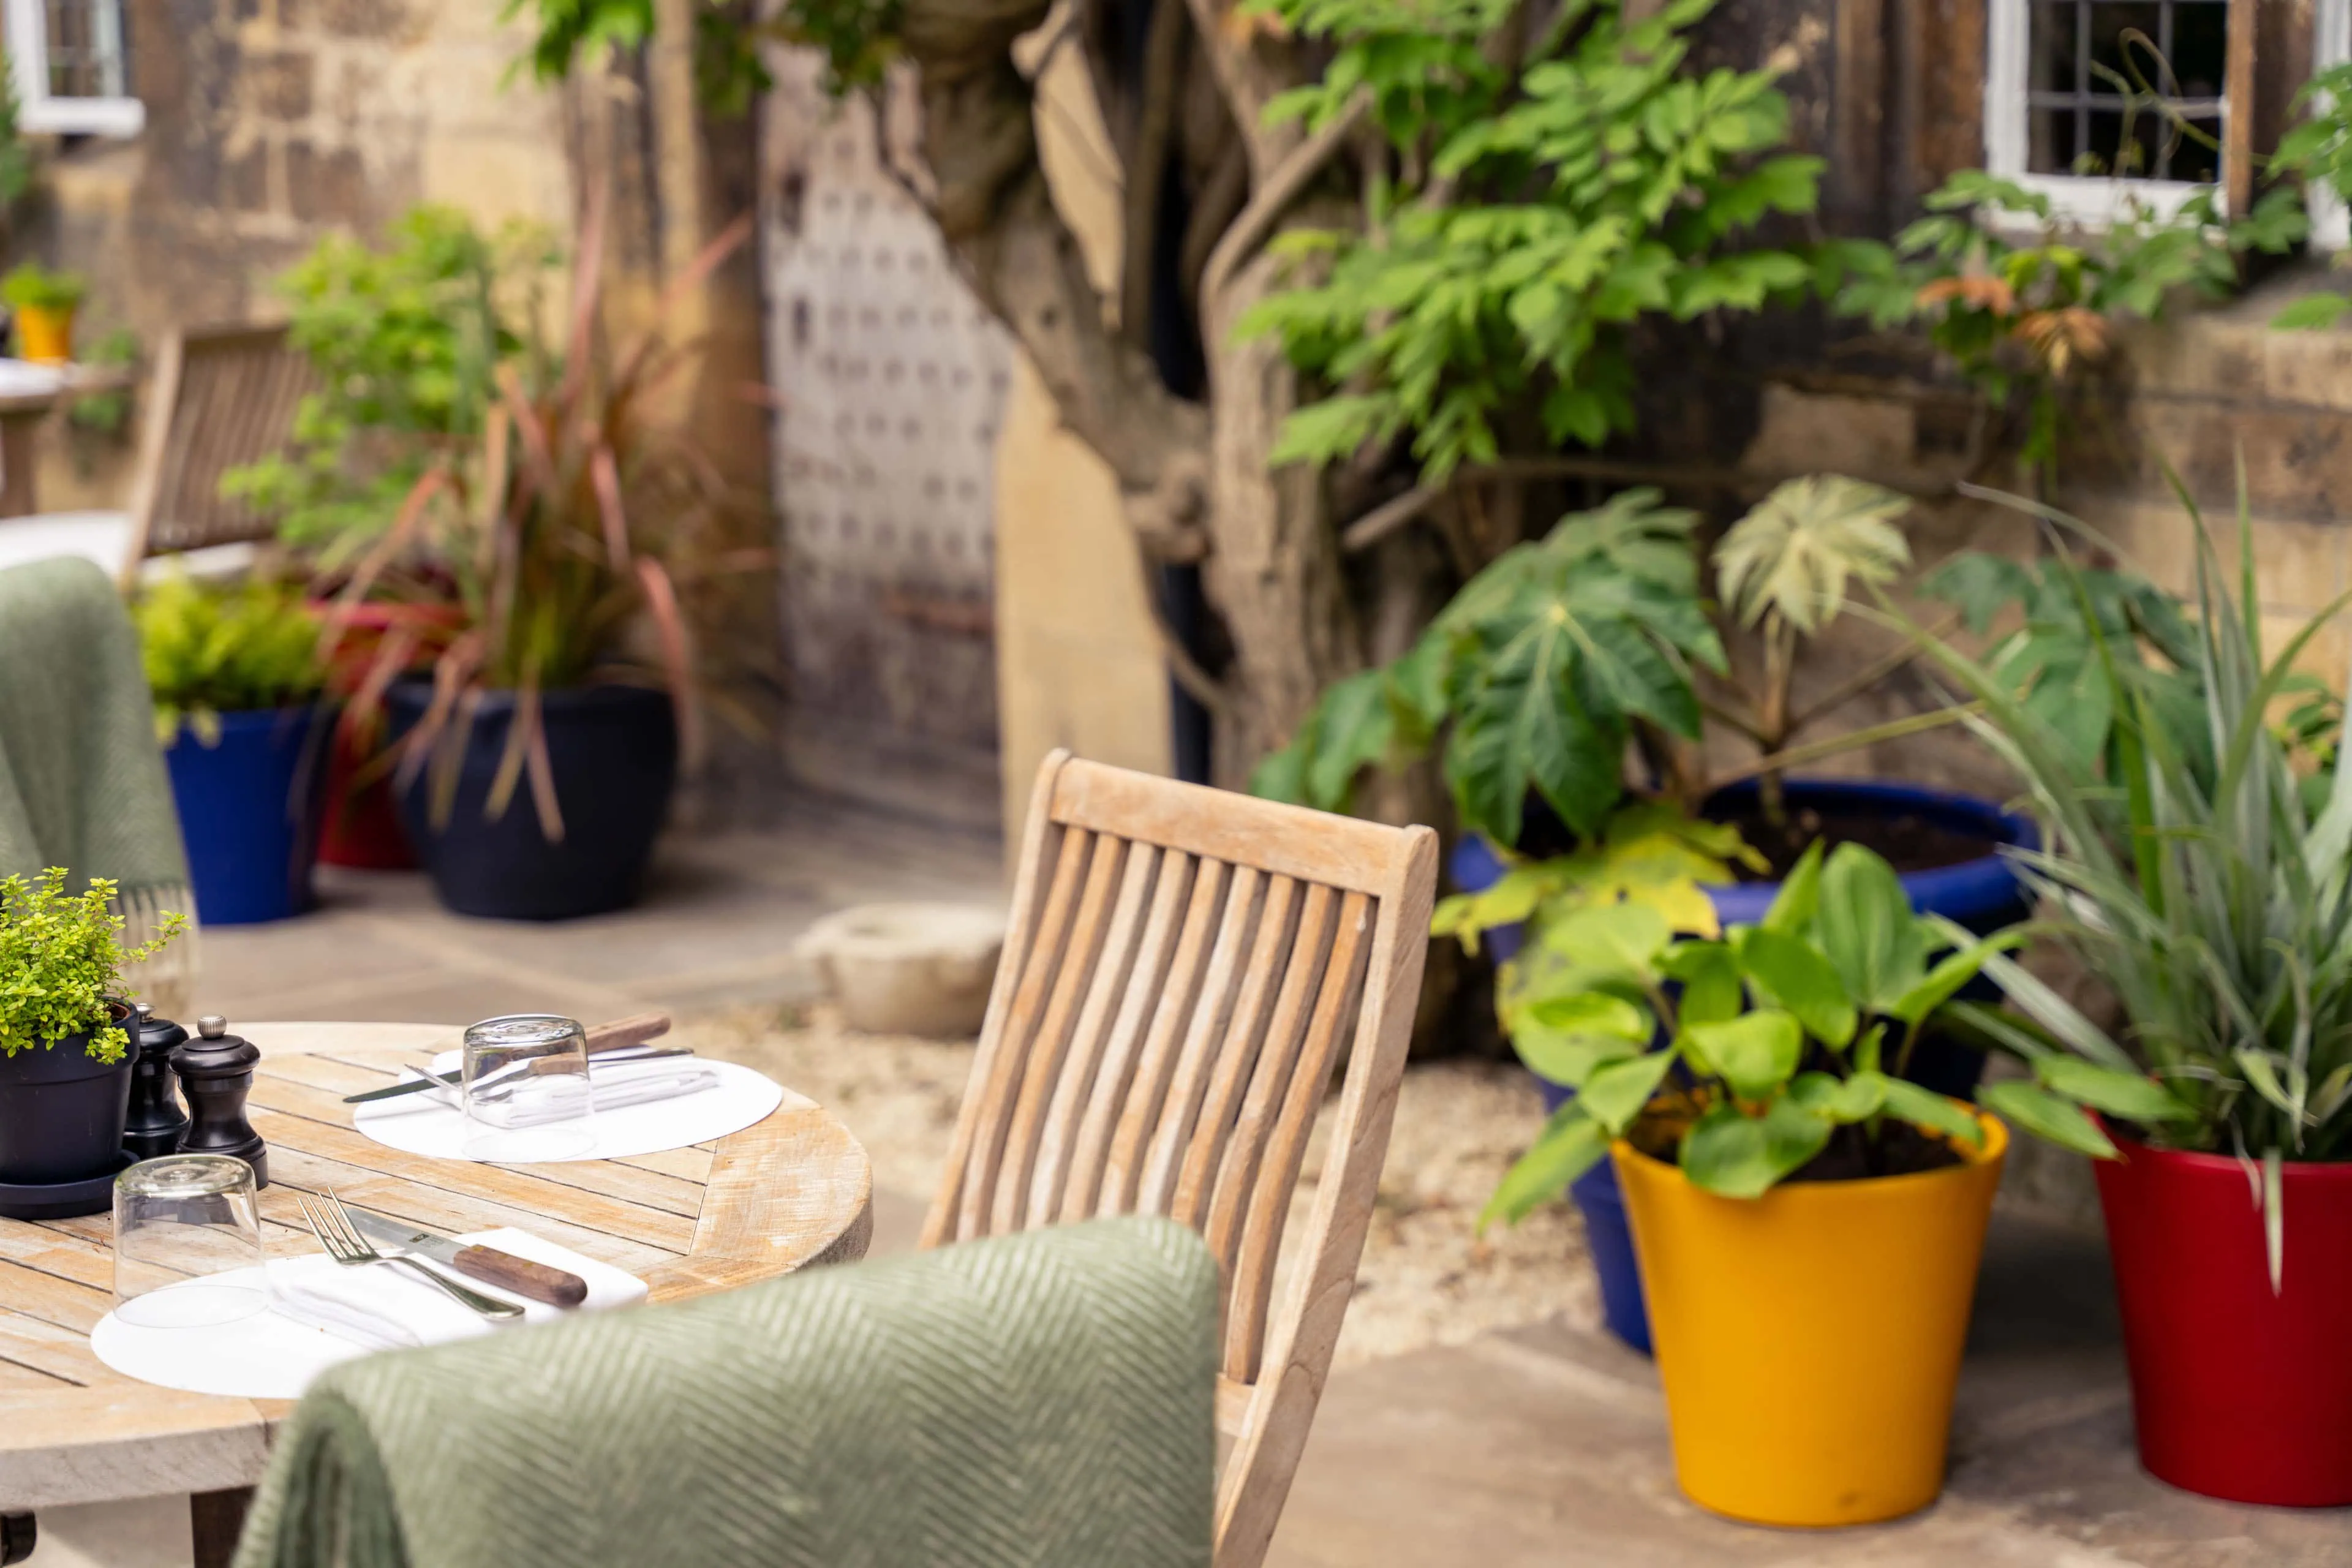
x,y
2201,870
65,1070
537,762
1780,1172
45,303
235,674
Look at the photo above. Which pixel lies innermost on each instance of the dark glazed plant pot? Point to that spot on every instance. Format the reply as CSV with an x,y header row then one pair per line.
x,y
61,1112
249,809
1982,894
2237,1392
613,751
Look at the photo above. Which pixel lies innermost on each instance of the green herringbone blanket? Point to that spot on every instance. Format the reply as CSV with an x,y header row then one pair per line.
x,y
1047,1400
82,784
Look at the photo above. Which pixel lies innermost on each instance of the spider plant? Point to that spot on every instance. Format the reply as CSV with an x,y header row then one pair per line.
x,y
2189,873
580,521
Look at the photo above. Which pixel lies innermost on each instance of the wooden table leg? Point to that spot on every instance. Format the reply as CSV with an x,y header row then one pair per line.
x,y
16,432
215,1520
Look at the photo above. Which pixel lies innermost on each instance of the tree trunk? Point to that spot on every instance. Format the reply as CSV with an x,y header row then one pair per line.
x,y
1273,571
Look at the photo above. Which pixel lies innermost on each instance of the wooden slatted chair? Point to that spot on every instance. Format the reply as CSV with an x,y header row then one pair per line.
x,y
1183,970
222,396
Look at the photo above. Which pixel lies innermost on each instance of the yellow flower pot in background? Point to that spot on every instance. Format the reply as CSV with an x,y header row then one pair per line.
x,y
1809,1340
45,336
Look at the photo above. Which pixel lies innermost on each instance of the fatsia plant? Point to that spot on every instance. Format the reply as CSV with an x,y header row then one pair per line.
x,y
2199,887
1745,1056
582,518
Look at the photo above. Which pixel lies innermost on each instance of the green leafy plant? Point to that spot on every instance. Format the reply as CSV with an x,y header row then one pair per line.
x,y
106,413
1550,197
215,648
16,164
29,286
579,517
2318,149
61,963
729,72
2200,889
1778,1038
2021,300
406,341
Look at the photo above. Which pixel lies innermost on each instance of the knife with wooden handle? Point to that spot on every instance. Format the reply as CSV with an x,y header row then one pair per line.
x,y
622,1034
533,1282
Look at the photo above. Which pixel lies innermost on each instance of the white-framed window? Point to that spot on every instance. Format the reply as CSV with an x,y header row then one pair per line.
x,y
2067,90
71,68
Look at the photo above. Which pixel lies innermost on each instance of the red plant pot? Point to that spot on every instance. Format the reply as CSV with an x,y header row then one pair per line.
x,y
361,826
2239,1393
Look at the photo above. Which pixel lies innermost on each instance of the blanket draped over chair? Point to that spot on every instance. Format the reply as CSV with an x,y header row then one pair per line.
x,y
1047,1400
82,783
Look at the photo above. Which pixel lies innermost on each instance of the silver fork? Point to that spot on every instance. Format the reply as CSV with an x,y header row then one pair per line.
x,y
346,1245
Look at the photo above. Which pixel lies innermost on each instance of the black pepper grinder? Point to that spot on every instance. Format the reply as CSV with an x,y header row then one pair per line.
x,y
217,1071
156,1122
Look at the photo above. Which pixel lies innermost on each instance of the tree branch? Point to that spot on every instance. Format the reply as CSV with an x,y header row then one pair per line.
x,y
1284,185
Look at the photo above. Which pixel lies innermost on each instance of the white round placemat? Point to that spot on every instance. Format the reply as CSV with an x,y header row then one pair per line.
x,y
423,1124
263,1356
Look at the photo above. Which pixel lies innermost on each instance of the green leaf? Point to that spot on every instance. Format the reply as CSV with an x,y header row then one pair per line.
x,y
1866,927
1710,982
1617,1093
2132,1096
1738,1156
1565,1038
1571,1144
1799,895
1620,939
1791,973
1755,1052
1856,1099
2313,311
1793,554
1942,982
2043,1114
2277,1080
1924,1107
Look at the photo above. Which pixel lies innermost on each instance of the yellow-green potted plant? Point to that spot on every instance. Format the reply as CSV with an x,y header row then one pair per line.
x,y
1780,1169
45,303
65,1068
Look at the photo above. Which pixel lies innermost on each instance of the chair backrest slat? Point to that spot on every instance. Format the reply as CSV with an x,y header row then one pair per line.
x,y
1123,1172
1185,971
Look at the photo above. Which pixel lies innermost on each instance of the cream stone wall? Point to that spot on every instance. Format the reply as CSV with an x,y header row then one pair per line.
x,y
1077,660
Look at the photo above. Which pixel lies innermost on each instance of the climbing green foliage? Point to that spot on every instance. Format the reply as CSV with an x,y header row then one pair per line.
x,y
2021,299
215,648
61,963
728,72
1542,208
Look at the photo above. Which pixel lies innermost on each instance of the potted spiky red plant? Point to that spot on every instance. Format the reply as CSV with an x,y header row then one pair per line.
x,y
569,539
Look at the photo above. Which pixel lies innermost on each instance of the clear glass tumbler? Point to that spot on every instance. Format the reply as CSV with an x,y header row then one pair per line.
x,y
526,1090
187,1242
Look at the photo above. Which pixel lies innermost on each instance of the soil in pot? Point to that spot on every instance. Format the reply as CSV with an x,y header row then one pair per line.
x,y
613,754
2238,1391
61,1112
1906,840
1808,1340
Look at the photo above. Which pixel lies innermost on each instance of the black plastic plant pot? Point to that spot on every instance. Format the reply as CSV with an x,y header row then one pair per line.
x,y
61,1112
613,754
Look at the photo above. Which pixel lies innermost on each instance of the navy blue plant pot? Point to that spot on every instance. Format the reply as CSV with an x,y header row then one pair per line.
x,y
1982,894
250,812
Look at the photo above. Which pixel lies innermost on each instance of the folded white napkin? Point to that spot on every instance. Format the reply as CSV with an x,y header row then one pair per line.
x,y
384,1307
615,1085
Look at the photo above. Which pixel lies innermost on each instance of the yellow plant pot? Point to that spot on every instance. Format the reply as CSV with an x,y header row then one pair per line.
x,y
45,337
1809,1340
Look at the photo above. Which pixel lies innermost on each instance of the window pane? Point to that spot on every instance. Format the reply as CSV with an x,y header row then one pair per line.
x,y
86,49
2125,86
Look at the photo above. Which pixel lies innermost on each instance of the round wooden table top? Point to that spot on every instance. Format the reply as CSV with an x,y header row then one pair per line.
x,y
792,1190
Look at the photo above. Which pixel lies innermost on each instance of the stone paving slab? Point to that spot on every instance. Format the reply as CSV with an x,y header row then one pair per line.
x,y
1547,1446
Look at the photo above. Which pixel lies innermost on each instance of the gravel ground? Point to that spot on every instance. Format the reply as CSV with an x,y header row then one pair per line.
x,y
1426,1278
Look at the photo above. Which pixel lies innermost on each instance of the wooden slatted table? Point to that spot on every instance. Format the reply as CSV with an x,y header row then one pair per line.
x,y
794,1189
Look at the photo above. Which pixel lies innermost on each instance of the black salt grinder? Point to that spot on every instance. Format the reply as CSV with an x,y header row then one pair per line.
x,y
156,1122
217,1071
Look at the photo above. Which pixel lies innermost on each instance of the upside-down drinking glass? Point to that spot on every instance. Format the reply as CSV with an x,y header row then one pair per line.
x,y
525,1089
184,1225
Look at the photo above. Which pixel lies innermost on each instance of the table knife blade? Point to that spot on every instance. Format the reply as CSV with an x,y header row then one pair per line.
x,y
536,1282
611,1057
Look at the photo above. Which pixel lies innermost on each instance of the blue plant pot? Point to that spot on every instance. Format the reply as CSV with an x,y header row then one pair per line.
x,y
1983,895
250,812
